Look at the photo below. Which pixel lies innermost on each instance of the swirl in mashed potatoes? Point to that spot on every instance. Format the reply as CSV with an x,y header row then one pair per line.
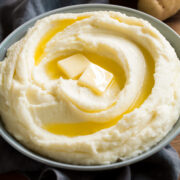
x,y
90,88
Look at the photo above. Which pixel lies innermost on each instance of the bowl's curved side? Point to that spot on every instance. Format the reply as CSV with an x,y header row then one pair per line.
x,y
19,147
171,36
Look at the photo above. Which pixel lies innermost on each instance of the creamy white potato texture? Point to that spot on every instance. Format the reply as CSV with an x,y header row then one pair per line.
x,y
90,88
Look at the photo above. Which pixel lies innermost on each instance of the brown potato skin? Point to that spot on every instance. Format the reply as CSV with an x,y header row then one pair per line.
x,y
161,9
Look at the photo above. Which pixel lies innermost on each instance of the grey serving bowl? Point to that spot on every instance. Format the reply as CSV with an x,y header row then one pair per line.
x,y
171,36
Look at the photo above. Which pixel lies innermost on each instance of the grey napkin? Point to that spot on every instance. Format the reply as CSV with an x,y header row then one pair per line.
x,y
164,165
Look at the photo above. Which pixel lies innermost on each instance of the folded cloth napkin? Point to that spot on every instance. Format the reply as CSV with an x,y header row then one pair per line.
x,y
163,165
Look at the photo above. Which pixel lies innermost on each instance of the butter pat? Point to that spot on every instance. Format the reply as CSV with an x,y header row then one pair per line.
x,y
95,78
73,66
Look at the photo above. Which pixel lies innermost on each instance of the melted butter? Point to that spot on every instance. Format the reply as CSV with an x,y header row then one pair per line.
x,y
95,78
86,128
52,70
108,64
57,26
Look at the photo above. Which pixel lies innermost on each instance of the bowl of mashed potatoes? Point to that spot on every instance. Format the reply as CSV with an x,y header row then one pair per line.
x,y
90,87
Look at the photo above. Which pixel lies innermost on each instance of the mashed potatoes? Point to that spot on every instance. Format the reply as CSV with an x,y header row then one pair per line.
x,y
90,88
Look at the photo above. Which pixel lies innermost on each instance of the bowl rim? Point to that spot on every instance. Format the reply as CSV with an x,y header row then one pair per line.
x,y
45,160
